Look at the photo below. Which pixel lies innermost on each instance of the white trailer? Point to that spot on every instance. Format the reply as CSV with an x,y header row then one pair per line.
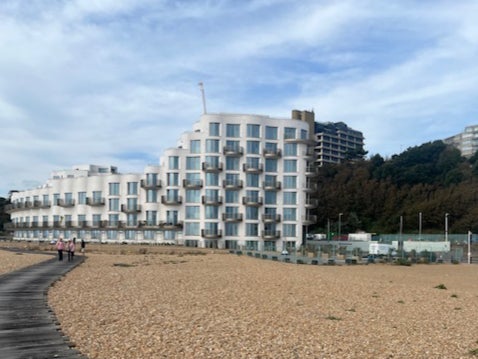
x,y
381,249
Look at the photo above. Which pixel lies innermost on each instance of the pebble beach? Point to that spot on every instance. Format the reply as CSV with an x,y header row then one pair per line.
x,y
213,304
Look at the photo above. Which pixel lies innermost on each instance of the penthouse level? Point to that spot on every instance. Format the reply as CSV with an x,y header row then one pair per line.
x,y
234,181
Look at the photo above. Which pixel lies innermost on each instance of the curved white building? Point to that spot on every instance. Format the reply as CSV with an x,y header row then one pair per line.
x,y
234,181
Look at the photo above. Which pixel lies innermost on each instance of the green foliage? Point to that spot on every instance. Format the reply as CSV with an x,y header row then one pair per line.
x,y
372,194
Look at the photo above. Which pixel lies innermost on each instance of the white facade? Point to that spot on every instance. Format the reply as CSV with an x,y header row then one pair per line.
x,y
466,142
234,181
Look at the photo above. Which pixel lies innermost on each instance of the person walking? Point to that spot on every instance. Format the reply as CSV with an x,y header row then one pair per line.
x,y
83,246
60,246
71,250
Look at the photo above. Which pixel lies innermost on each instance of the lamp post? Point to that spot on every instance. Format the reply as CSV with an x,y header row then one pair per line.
x,y
400,239
420,226
340,225
446,227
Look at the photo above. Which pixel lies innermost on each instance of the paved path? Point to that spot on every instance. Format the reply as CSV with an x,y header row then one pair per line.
x,y
28,326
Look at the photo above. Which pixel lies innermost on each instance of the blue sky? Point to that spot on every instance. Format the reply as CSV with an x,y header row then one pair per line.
x,y
114,82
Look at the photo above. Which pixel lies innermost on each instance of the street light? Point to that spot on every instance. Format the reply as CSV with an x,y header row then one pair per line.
x,y
340,225
420,226
446,227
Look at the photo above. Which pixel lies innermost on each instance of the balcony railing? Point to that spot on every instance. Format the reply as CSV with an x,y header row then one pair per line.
x,y
271,185
269,217
132,208
150,184
211,200
311,203
66,202
270,234
148,224
192,183
252,201
252,168
311,171
175,225
233,151
270,153
95,201
232,184
232,217
308,220
211,167
171,200
211,233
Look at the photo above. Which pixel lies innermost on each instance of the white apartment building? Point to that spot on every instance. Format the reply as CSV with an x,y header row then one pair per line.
x,y
466,142
234,181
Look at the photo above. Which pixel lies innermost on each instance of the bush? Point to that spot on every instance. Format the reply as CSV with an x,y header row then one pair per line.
x,y
403,262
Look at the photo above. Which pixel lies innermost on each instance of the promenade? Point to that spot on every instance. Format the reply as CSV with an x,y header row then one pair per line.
x,y
28,327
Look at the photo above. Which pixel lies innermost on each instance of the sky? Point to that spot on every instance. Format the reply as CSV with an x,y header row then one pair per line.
x,y
115,82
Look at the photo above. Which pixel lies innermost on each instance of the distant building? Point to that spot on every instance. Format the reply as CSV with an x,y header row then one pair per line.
x,y
466,142
336,142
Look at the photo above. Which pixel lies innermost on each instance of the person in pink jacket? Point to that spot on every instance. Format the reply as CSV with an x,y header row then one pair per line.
x,y
71,250
60,246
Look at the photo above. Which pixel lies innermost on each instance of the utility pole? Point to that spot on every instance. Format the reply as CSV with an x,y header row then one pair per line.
x,y
201,87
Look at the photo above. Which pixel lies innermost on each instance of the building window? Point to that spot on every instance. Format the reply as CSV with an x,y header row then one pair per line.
x,y
193,196
270,197
192,212
173,162
270,165
132,188
173,178
212,179
253,147
151,218
271,133
252,230
252,180
271,146
289,230
232,196
290,198
114,189
212,146
289,133
232,164
233,130
211,212
151,196
303,134
252,212
113,204
253,130
290,149
193,163
290,182
81,197
290,214
191,229
290,165
231,229
195,146
214,129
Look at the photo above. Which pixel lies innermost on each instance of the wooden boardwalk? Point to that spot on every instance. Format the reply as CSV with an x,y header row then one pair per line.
x,y
28,326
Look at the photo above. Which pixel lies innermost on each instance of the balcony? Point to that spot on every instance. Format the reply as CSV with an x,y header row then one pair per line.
x,y
270,234
171,200
149,184
44,225
45,204
271,218
98,224
65,202
57,224
310,187
37,204
252,201
111,224
131,224
311,171
252,168
148,224
135,208
95,202
211,233
309,154
233,151
271,185
232,184
14,207
308,220
192,183
270,153
294,139
232,217
211,167
175,225
212,200
28,204
82,224
311,203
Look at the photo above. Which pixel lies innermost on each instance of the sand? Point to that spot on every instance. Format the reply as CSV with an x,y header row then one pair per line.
x,y
10,261
219,305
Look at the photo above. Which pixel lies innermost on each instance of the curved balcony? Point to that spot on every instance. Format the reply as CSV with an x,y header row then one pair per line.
x,y
192,184
232,184
233,151
130,208
250,168
147,224
171,200
270,234
232,217
271,185
150,184
268,153
307,141
178,225
311,171
311,203
211,233
308,220
309,154
95,202
211,167
310,187
252,201
212,200
65,203
271,218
